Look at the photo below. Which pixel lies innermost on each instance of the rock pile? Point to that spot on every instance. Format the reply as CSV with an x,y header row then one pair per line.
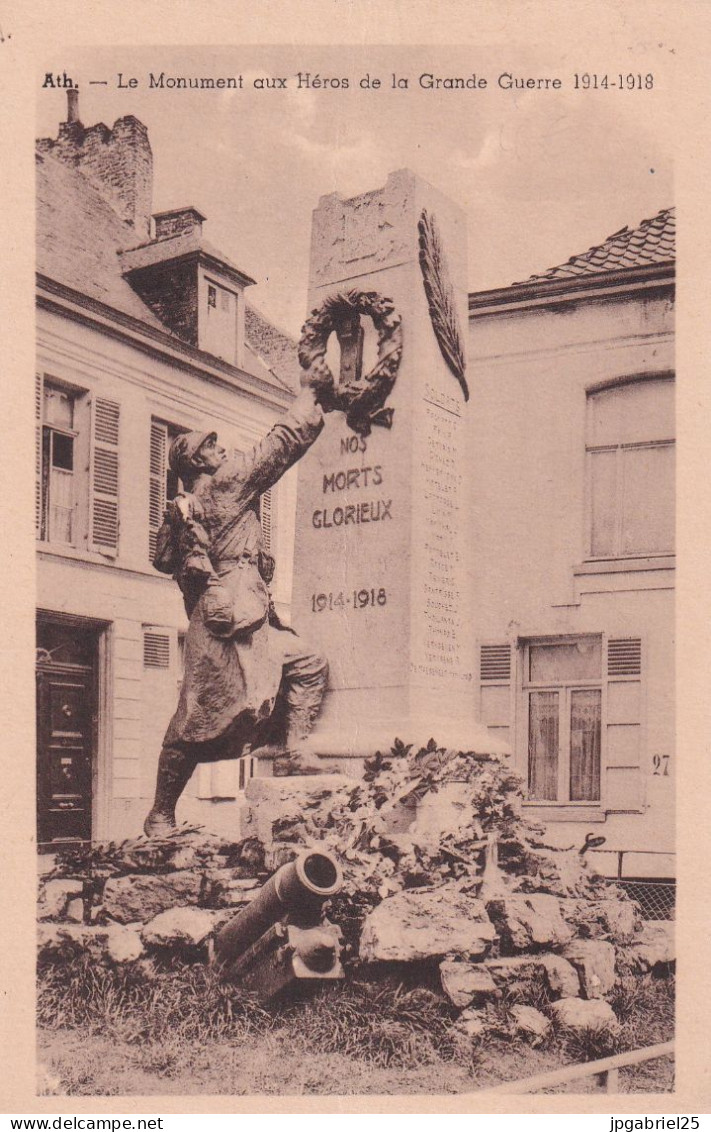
x,y
123,901
442,874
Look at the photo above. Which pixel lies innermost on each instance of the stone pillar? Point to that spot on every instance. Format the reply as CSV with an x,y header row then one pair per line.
x,y
384,544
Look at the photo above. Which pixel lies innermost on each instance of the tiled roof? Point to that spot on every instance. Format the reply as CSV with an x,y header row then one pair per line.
x,y
78,237
273,346
652,242
79,241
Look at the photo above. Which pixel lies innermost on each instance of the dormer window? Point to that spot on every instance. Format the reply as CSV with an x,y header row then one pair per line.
x,y
192,288
221,322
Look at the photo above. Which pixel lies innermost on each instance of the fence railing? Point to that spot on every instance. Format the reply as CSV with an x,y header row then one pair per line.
x,y
605,1069
656,895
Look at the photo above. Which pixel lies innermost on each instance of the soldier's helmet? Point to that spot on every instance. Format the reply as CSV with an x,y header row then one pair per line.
x,y
184,449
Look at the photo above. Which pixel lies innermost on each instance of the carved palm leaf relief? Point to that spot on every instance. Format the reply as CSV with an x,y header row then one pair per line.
x,y
440,298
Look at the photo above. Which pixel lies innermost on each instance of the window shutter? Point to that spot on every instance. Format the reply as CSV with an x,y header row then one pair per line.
x,y
624,657
39,393
495,688
624,776
104,524
496,663
157,474
265,515
156,649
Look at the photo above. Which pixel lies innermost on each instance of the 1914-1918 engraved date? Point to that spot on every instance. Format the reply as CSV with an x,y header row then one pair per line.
x,y
358,599
591,81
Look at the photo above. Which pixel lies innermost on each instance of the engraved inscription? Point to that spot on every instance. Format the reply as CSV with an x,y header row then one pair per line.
x,y
358,599
443,647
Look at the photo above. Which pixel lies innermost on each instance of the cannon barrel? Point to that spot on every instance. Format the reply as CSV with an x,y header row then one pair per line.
x,y
298,889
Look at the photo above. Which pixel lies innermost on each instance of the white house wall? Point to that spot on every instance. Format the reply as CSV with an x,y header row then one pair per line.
x,y
125,592
529,371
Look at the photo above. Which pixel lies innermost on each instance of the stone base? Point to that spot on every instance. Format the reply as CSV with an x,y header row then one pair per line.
x,y
363,735
336,764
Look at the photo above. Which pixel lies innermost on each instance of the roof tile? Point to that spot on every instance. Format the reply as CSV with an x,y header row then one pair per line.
x,y
653,241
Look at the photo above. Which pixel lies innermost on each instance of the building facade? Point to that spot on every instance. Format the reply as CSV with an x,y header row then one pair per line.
x,y
143,331
572,377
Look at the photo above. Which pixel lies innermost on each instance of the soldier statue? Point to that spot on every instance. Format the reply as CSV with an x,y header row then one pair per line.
x,y
241,662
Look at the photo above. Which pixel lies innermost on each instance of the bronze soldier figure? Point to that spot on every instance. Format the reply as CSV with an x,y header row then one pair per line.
x,y
240,661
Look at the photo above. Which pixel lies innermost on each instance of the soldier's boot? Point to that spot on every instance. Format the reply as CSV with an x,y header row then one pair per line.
x,y
295,759
174,770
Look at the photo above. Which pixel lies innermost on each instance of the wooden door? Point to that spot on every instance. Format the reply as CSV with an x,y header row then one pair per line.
x,y
65,709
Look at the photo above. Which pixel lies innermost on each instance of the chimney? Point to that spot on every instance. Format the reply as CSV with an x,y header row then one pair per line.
x,y
118,162
178,222
73,105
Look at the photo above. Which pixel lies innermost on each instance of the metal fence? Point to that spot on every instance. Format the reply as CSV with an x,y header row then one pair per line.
x,y
656,898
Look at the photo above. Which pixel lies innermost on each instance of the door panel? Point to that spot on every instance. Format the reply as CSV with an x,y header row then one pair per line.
x,y
64,767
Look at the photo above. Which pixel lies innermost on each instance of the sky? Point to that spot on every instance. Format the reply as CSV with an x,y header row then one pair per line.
x,y
541,174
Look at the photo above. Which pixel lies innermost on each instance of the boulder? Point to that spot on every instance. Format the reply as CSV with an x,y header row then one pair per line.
x,y
123,945
225,890
558,975
178,927
75,910
562,978
527,921
53,938
141,897
220,916
612,918
528,1020
584,1014
463,983
55,896
594,960
621,919
655,945
426,924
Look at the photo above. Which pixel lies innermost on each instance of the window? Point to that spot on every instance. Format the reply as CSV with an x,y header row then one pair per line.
x,y
630,461
563,701
164,484
219,325
578,728
77,467
56,459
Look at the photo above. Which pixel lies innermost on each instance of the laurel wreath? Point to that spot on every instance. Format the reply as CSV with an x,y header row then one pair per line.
x,y
362,400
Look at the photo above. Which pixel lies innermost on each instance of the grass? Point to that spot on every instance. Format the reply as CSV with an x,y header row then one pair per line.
x,y
107,1031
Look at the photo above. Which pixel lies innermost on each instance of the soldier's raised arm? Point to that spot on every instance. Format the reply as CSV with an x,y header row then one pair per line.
x,y
285,444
